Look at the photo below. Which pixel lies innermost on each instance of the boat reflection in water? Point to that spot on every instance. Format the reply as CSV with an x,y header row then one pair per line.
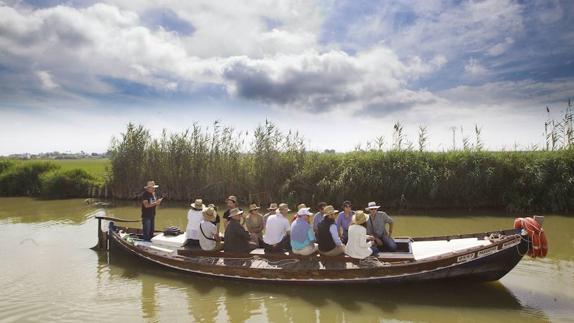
x,y
214,299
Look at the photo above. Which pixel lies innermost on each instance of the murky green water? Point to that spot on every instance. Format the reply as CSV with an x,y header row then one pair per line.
x,y
48,273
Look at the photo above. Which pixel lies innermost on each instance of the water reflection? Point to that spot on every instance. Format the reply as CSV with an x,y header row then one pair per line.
x,y
45,244
209,298
149,305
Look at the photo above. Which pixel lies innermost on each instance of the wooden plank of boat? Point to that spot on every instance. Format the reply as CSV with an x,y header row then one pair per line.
x,y
483,262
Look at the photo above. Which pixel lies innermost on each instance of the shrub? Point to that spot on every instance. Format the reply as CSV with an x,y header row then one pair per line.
x,y
24,179
66,184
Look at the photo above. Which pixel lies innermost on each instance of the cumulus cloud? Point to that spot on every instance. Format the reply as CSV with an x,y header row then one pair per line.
x,y
103,42
268,52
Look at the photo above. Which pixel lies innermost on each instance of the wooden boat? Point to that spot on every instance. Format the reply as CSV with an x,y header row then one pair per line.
x,y
484,256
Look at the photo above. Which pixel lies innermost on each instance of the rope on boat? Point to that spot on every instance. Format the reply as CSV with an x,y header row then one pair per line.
x,y
372,262
281,262
277,263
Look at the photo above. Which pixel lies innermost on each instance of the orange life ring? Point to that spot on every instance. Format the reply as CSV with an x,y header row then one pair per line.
x,y
538,242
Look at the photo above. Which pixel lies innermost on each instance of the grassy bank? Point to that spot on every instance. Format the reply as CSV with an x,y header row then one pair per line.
x,y
47,179
95,167
211,165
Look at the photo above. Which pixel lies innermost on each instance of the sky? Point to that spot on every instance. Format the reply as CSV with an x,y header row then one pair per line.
x,y
342,73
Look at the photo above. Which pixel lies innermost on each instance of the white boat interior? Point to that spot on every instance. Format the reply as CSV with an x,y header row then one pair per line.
x,y
417,250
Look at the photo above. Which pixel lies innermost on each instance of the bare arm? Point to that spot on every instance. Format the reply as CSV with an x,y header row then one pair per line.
x,y
147,204
391,225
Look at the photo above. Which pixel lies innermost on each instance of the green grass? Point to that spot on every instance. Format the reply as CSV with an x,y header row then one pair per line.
x,y
94,167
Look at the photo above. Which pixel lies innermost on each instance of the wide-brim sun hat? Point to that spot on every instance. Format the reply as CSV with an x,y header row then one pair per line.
x,y
372,205
235,212
198,205
359,217
283,206
253,207
329,209
209,214
272,207
232,198
151,184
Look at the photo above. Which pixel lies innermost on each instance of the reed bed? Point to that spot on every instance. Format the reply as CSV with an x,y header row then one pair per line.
x,y
212,163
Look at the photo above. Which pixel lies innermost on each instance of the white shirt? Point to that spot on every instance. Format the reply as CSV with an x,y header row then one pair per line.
x,y
276,228
209,229
193,219
357,245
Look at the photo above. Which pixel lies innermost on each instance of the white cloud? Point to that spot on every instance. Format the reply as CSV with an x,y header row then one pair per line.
x,y
440,28
501,47
474,68
282,66
46,80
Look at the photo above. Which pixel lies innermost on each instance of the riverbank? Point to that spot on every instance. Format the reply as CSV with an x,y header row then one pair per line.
x,y
517,182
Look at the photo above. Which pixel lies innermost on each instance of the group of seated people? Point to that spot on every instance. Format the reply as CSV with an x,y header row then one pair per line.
x,y
358,234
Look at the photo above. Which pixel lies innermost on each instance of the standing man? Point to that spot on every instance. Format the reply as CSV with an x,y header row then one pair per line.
x,y
376,227
148,210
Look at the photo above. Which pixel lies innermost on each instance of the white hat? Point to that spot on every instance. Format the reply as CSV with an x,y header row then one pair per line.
x,y
372,205
151,184
304,211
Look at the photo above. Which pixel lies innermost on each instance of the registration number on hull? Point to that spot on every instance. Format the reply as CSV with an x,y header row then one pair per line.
x,y
466,257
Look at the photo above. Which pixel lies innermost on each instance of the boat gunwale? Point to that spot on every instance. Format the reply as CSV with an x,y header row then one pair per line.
x,y
161,257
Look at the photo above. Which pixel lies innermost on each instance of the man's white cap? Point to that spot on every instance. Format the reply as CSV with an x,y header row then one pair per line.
x,y
304,211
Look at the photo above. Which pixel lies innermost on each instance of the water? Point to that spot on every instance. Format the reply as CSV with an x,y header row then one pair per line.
x,y
50,274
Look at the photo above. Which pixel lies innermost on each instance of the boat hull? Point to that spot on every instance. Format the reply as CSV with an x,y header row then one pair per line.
x,y
479,264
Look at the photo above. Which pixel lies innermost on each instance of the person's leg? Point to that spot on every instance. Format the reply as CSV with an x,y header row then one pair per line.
x,y
286,243
338,250
146,228
310,249
389,244
152,227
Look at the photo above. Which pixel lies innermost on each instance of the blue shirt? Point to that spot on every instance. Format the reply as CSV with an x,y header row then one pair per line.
x,y
316,219
343,223
335,234
302,234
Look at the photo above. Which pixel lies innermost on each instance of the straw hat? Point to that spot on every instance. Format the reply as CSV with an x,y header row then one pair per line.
x,y
329,210
360,217
283,207
209,214
303,212
272,207
301,206
198,205
253,207
372,205
151,184
235,212
232,198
